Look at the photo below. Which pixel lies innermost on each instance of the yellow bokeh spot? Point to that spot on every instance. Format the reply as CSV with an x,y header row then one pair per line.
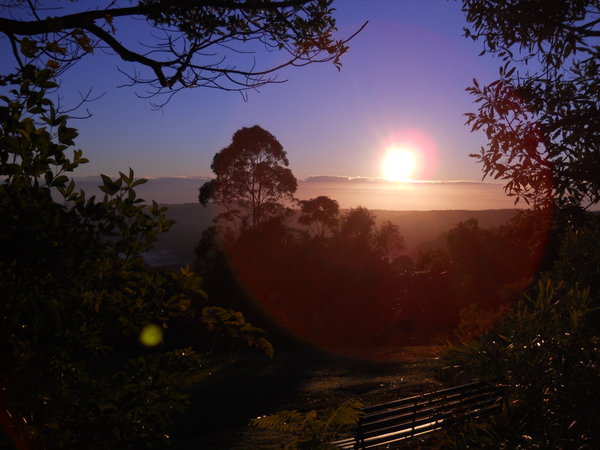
x,y
151,335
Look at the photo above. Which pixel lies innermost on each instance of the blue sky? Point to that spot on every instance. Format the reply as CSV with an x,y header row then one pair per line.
x,y
406,71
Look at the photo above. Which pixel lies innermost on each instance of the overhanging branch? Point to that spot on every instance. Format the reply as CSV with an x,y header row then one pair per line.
x,y
85,18
183,57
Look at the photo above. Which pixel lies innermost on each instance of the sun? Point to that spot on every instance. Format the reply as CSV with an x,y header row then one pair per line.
x,y
398,164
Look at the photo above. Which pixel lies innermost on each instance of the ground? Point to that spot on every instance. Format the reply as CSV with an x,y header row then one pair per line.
x,y
224,404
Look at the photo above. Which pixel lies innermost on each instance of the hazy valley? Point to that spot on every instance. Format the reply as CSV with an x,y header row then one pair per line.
x,y
422,230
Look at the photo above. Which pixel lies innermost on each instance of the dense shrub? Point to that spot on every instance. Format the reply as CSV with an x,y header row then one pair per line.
x,y
87,359
545,356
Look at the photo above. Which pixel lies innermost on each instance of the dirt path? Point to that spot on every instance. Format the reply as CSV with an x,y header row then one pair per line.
x,y
223,406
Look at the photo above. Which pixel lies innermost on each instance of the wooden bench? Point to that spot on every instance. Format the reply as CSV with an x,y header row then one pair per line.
x,y
409,417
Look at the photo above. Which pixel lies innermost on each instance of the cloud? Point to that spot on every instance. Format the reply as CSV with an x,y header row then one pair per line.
x,y
378,193
339,179
325,179
374,180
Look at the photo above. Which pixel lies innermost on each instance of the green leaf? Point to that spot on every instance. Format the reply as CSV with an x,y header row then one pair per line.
x,y
106,179
60,180
138,182
29,47
66,135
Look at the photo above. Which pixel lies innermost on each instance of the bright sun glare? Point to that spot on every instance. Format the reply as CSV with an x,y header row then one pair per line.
x,y
398,164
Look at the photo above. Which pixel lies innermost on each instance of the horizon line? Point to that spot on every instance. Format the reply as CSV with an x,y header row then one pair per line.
x,y
309,179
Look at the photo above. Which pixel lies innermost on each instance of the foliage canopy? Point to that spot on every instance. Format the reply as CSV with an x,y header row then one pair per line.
x,y
542,116
542,120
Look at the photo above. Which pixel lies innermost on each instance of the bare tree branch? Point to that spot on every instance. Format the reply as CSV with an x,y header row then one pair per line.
x,y
198,38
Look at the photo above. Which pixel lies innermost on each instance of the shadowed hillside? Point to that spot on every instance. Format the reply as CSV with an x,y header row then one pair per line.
x,y
421,229
176,247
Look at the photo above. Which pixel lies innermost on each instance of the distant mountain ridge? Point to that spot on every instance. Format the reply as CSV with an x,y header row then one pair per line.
x,y
419,228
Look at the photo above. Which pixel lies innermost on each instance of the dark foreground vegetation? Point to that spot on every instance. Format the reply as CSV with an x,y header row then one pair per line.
x,y
94,347
542,127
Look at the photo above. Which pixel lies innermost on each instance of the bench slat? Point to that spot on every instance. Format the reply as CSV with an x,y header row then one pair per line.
x,y
423,397
409,417
426,408
439,416
423,406
420,429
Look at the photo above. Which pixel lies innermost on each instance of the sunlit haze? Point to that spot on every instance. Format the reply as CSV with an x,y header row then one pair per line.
x,y
373,193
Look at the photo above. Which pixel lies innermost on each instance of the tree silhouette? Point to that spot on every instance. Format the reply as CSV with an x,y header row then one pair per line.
x,y
388,241
357,225
187,43
320,214
542,119
252,180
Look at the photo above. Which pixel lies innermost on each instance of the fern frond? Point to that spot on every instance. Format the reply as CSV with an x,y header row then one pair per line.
x,y
284,421
345,415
